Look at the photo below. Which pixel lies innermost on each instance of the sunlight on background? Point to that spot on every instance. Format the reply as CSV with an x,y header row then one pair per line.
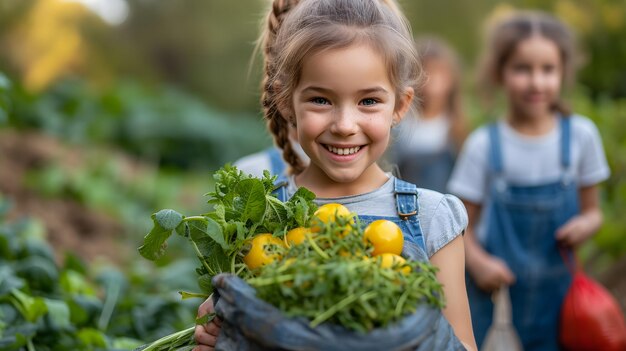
x,y
113,12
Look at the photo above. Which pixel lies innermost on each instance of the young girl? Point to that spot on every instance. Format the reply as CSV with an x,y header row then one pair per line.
x,y
342,73
425,148
531,179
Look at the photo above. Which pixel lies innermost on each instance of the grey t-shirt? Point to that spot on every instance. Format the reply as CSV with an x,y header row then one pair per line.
x,y
442,217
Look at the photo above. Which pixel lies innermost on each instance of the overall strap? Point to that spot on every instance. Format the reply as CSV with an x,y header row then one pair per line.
x,y
566,135
280,188
276,161
495,149
408,209
406,199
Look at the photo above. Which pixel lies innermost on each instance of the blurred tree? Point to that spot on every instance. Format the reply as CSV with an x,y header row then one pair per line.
x,y
205,47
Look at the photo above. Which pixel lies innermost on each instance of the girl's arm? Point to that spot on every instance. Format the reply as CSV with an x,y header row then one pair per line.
x,y
489,272
451,263
581,227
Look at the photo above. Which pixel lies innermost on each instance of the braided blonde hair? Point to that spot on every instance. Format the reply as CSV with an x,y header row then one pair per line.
x,y
276,123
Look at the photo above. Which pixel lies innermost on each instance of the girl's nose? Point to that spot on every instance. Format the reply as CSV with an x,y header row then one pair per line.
x,y
537,79
344,122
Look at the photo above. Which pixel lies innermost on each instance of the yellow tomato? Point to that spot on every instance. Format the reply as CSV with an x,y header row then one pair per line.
x,y
388,260
297,236
258,255
385,236
329,213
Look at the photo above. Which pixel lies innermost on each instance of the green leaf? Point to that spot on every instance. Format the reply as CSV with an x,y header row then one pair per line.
x,y
73,282
183,230
205,319
125,343
90,338
30,307
198,235
250,202
9,281
190,295
204,282
207,227
276,210
168,219
15,337
304,193
165,221
59,314
242,231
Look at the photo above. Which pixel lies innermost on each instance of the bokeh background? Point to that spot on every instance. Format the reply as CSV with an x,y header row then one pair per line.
x,y
113,109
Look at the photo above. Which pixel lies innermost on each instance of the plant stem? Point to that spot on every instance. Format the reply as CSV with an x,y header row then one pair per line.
x,y
317,248
401,302
166,340
333,309
269,281
195,218
113,292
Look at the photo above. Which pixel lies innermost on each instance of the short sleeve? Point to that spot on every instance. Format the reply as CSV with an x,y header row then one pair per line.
x,y
469,177
593,167
448,221
254,164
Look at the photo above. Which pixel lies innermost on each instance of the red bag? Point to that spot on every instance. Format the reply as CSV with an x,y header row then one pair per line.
x,y
591,319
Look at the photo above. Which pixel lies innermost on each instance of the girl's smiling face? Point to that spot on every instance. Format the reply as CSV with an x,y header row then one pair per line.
x,y
344,106
532,77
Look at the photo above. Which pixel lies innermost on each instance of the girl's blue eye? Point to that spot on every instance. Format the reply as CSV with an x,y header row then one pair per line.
x,y
319,101
369,102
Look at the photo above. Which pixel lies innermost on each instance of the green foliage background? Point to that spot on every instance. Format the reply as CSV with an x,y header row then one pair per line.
x,y
176,83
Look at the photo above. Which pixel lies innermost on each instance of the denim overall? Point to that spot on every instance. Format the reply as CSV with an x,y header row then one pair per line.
x,y
425,330
406,205
521,226
427,170
277,164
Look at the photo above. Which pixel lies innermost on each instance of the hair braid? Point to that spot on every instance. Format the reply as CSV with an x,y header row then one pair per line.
x,y
277,124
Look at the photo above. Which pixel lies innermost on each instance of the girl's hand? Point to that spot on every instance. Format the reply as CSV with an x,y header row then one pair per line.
x,y
587,223
206,335
575,231
490,273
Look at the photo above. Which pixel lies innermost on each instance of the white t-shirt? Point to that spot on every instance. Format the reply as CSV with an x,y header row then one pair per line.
x,y
256,163
529,160
423,135
442,217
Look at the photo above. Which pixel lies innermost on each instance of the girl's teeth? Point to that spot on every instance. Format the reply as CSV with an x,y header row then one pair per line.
x,y
343,151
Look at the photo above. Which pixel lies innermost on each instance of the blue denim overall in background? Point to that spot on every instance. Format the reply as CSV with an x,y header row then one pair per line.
x,y
277,164
521,228
427,170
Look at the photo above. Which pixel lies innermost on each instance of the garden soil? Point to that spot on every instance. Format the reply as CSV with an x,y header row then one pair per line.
x,y
70,226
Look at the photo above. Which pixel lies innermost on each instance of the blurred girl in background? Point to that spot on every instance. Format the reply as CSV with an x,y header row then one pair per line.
x,y
529,180
426,147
